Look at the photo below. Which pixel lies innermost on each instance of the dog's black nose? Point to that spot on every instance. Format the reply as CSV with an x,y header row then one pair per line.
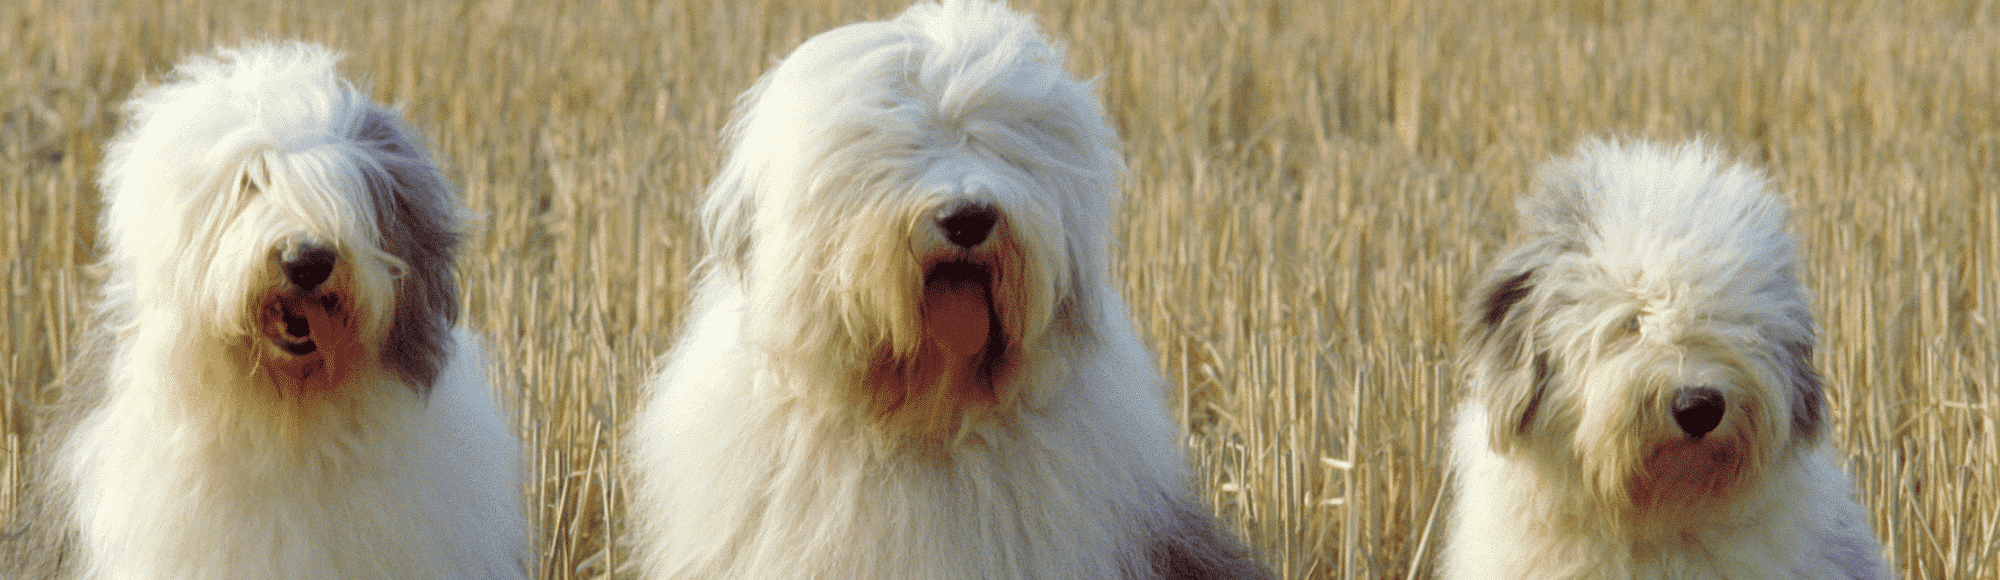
x,y
309,266
1698,410
969,225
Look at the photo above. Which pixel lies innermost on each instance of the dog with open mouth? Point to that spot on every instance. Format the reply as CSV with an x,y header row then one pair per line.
x,y
305,311
283,392
905,356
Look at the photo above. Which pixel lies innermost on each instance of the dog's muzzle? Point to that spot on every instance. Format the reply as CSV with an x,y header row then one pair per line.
x,y
961,308
302,306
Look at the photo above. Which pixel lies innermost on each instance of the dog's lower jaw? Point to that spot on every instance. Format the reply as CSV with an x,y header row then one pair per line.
x,y
949,382
936,399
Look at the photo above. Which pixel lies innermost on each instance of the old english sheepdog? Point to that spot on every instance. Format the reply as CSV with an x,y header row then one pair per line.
x,y
905,357
1641,399
284,394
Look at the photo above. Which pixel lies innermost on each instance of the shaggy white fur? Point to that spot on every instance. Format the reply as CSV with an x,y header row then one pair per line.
x,y
905,358
285,395
1641,399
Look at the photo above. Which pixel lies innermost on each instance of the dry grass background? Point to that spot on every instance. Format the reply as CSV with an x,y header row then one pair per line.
x,y
1313,185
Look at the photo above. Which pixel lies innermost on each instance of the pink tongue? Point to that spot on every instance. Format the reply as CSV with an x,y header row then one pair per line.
x,y
956,315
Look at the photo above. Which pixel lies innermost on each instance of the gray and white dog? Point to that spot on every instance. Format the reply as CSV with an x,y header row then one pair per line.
x,y
1641,401
282,392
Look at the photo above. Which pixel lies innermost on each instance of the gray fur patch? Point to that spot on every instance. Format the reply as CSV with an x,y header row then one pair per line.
x,y
417,216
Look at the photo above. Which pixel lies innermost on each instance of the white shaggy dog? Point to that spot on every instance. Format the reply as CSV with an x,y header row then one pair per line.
x,y
1642,402
284,395
905,358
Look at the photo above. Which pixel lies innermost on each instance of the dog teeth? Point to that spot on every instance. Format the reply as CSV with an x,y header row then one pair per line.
x,y
292,331
299,348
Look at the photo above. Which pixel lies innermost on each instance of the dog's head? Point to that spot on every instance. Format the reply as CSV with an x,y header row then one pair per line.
x,y
917,206
260,201
1650,332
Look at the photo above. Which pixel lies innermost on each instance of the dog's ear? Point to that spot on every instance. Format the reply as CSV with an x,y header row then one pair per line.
x,y
1501,298
1808,400
1507,373
420,226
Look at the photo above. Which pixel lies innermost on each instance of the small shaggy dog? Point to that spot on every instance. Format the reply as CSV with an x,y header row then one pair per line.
x,y
905,357
1642,402
283,392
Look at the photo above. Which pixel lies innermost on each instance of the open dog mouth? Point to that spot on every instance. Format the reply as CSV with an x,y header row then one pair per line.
x,y
958,310
290,319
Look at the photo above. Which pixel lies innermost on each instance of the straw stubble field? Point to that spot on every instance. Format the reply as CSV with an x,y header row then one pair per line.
x,y
1312,187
